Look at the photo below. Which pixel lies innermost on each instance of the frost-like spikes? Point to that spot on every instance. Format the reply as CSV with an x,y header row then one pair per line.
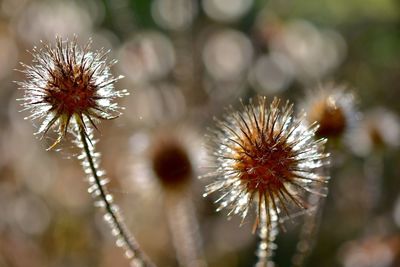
x,y
266,156
264,151
67,85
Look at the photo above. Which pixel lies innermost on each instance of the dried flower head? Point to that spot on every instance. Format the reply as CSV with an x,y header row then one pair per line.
x,y
166,158
69,87
332,107
68,84
266,155
171,163
379,129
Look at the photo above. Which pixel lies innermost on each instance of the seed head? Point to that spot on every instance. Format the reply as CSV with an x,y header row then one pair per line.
x,y
378,130
171,163
266,155
332,107
165,159
67,85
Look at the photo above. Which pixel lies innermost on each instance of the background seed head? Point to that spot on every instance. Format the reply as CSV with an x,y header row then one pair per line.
x,y
171,163
332,107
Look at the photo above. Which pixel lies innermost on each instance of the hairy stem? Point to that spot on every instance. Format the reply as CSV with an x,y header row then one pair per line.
x,y
112,215
267,233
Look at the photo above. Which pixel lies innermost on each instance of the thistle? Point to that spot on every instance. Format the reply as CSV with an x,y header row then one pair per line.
x,y
265,155
69,89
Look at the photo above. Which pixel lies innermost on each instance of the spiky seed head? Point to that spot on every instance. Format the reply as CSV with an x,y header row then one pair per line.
x,y
67,85
332,107
264,154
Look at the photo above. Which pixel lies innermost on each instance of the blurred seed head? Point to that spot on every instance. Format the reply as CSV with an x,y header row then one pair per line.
x,y
332,107
265,155
167,156
68,85
171,163
379,129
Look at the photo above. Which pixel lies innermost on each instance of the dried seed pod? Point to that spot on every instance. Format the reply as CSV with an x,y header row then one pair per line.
x,y
166,157
69,84
72,87
379,129
332,107
171,163
163,168
264,154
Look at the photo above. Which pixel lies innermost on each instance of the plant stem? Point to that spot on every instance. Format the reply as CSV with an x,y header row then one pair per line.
x,y
184,229
373,172
308,232
267,234
112,216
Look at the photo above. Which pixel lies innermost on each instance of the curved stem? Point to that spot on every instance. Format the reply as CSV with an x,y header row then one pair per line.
x,y
112,215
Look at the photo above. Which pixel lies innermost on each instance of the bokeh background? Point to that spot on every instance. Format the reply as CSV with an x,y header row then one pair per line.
x,y
183,62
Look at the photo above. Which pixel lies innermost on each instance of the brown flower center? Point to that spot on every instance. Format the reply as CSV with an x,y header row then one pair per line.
x,y
266,167
330,117
71,91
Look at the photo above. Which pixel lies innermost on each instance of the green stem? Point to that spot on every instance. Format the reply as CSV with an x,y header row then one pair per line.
x,y
132,249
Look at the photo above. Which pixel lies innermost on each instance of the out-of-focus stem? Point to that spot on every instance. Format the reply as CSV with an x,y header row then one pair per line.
x,y
184,230
308,232
112,215
373,172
